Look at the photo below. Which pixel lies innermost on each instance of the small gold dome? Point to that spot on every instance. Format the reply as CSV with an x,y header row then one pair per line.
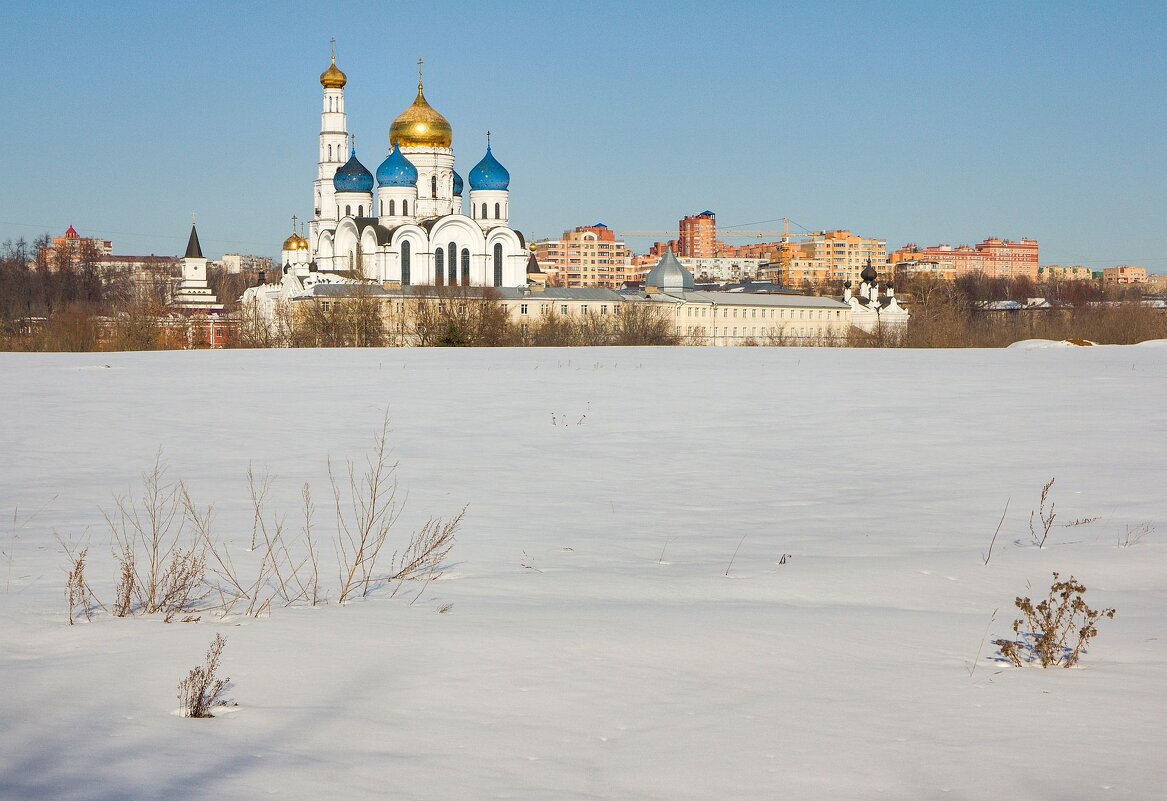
x,y
295,242
421,125
333,78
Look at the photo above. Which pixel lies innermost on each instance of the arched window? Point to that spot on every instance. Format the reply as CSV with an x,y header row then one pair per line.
x,y
433,186
330,152
465,267
453,263
348,211
392,208
498,264
405,208
404,262
497,211
360,211
484,211
439,266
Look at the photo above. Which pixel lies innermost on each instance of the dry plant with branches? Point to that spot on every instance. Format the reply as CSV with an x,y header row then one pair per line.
x,y
171,562
363,524
1133,535
201,690
1046,516
159,570
1056,630
78,595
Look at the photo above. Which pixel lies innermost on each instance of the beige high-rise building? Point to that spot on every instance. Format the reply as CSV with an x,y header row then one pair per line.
x,y
591,255
843,255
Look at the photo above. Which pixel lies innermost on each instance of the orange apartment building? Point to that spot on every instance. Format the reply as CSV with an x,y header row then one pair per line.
x,y
698,236
996,258
589,256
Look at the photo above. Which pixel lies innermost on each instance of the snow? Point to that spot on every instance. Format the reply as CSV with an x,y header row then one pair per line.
x,y
596,648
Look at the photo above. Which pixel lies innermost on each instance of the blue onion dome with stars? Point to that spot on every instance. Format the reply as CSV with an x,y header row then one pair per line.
x,y
489,174
396,170
352,176
457,185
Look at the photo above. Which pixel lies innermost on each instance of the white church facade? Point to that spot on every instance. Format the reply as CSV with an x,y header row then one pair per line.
x,y
407,223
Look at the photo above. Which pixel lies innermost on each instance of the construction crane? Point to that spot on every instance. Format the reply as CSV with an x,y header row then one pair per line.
x,y
727,232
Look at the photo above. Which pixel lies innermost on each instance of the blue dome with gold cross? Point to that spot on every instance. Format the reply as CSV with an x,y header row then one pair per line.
x,y
489,174
397,170
352,176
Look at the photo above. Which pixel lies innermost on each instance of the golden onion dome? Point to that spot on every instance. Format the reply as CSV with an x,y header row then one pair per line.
x,y
303,244
421,125
295,242
333,78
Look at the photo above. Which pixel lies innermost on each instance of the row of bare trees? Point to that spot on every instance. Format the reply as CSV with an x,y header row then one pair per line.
x,y
953,314
444,317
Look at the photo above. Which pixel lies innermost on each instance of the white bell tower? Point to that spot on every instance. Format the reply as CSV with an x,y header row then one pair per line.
x,y
334,150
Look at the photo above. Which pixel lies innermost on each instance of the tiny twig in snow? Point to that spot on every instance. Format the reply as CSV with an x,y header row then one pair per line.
x,y
980,647
662,550
735,550
989,555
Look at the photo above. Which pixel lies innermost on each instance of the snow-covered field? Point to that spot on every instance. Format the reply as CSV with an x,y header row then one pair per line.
x,y
596,648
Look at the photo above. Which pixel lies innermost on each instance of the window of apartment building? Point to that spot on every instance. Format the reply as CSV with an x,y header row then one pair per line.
x,y
603,309
563,309
725,312
583,309
523,308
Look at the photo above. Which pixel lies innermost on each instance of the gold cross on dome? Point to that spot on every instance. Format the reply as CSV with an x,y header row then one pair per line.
x,y
293,223
333,42
420,61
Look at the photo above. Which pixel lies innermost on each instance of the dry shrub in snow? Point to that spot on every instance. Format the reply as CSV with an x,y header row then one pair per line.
x,y
159,569
1047,515
1055,631
363,527
77,592
201,690
171,563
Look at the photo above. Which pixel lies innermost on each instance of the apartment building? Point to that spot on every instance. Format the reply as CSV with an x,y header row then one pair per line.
x,y
995,258
589,256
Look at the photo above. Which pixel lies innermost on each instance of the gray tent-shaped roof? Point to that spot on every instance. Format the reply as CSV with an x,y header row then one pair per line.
x,y
669,275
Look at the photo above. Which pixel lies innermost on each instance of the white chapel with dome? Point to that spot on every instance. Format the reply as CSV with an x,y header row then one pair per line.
x,y
407,224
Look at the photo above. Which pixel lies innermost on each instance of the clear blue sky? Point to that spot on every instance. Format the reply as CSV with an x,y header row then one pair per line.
x,y
910,121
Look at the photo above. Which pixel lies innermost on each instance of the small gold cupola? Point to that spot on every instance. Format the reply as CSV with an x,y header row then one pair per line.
x,y
333,78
